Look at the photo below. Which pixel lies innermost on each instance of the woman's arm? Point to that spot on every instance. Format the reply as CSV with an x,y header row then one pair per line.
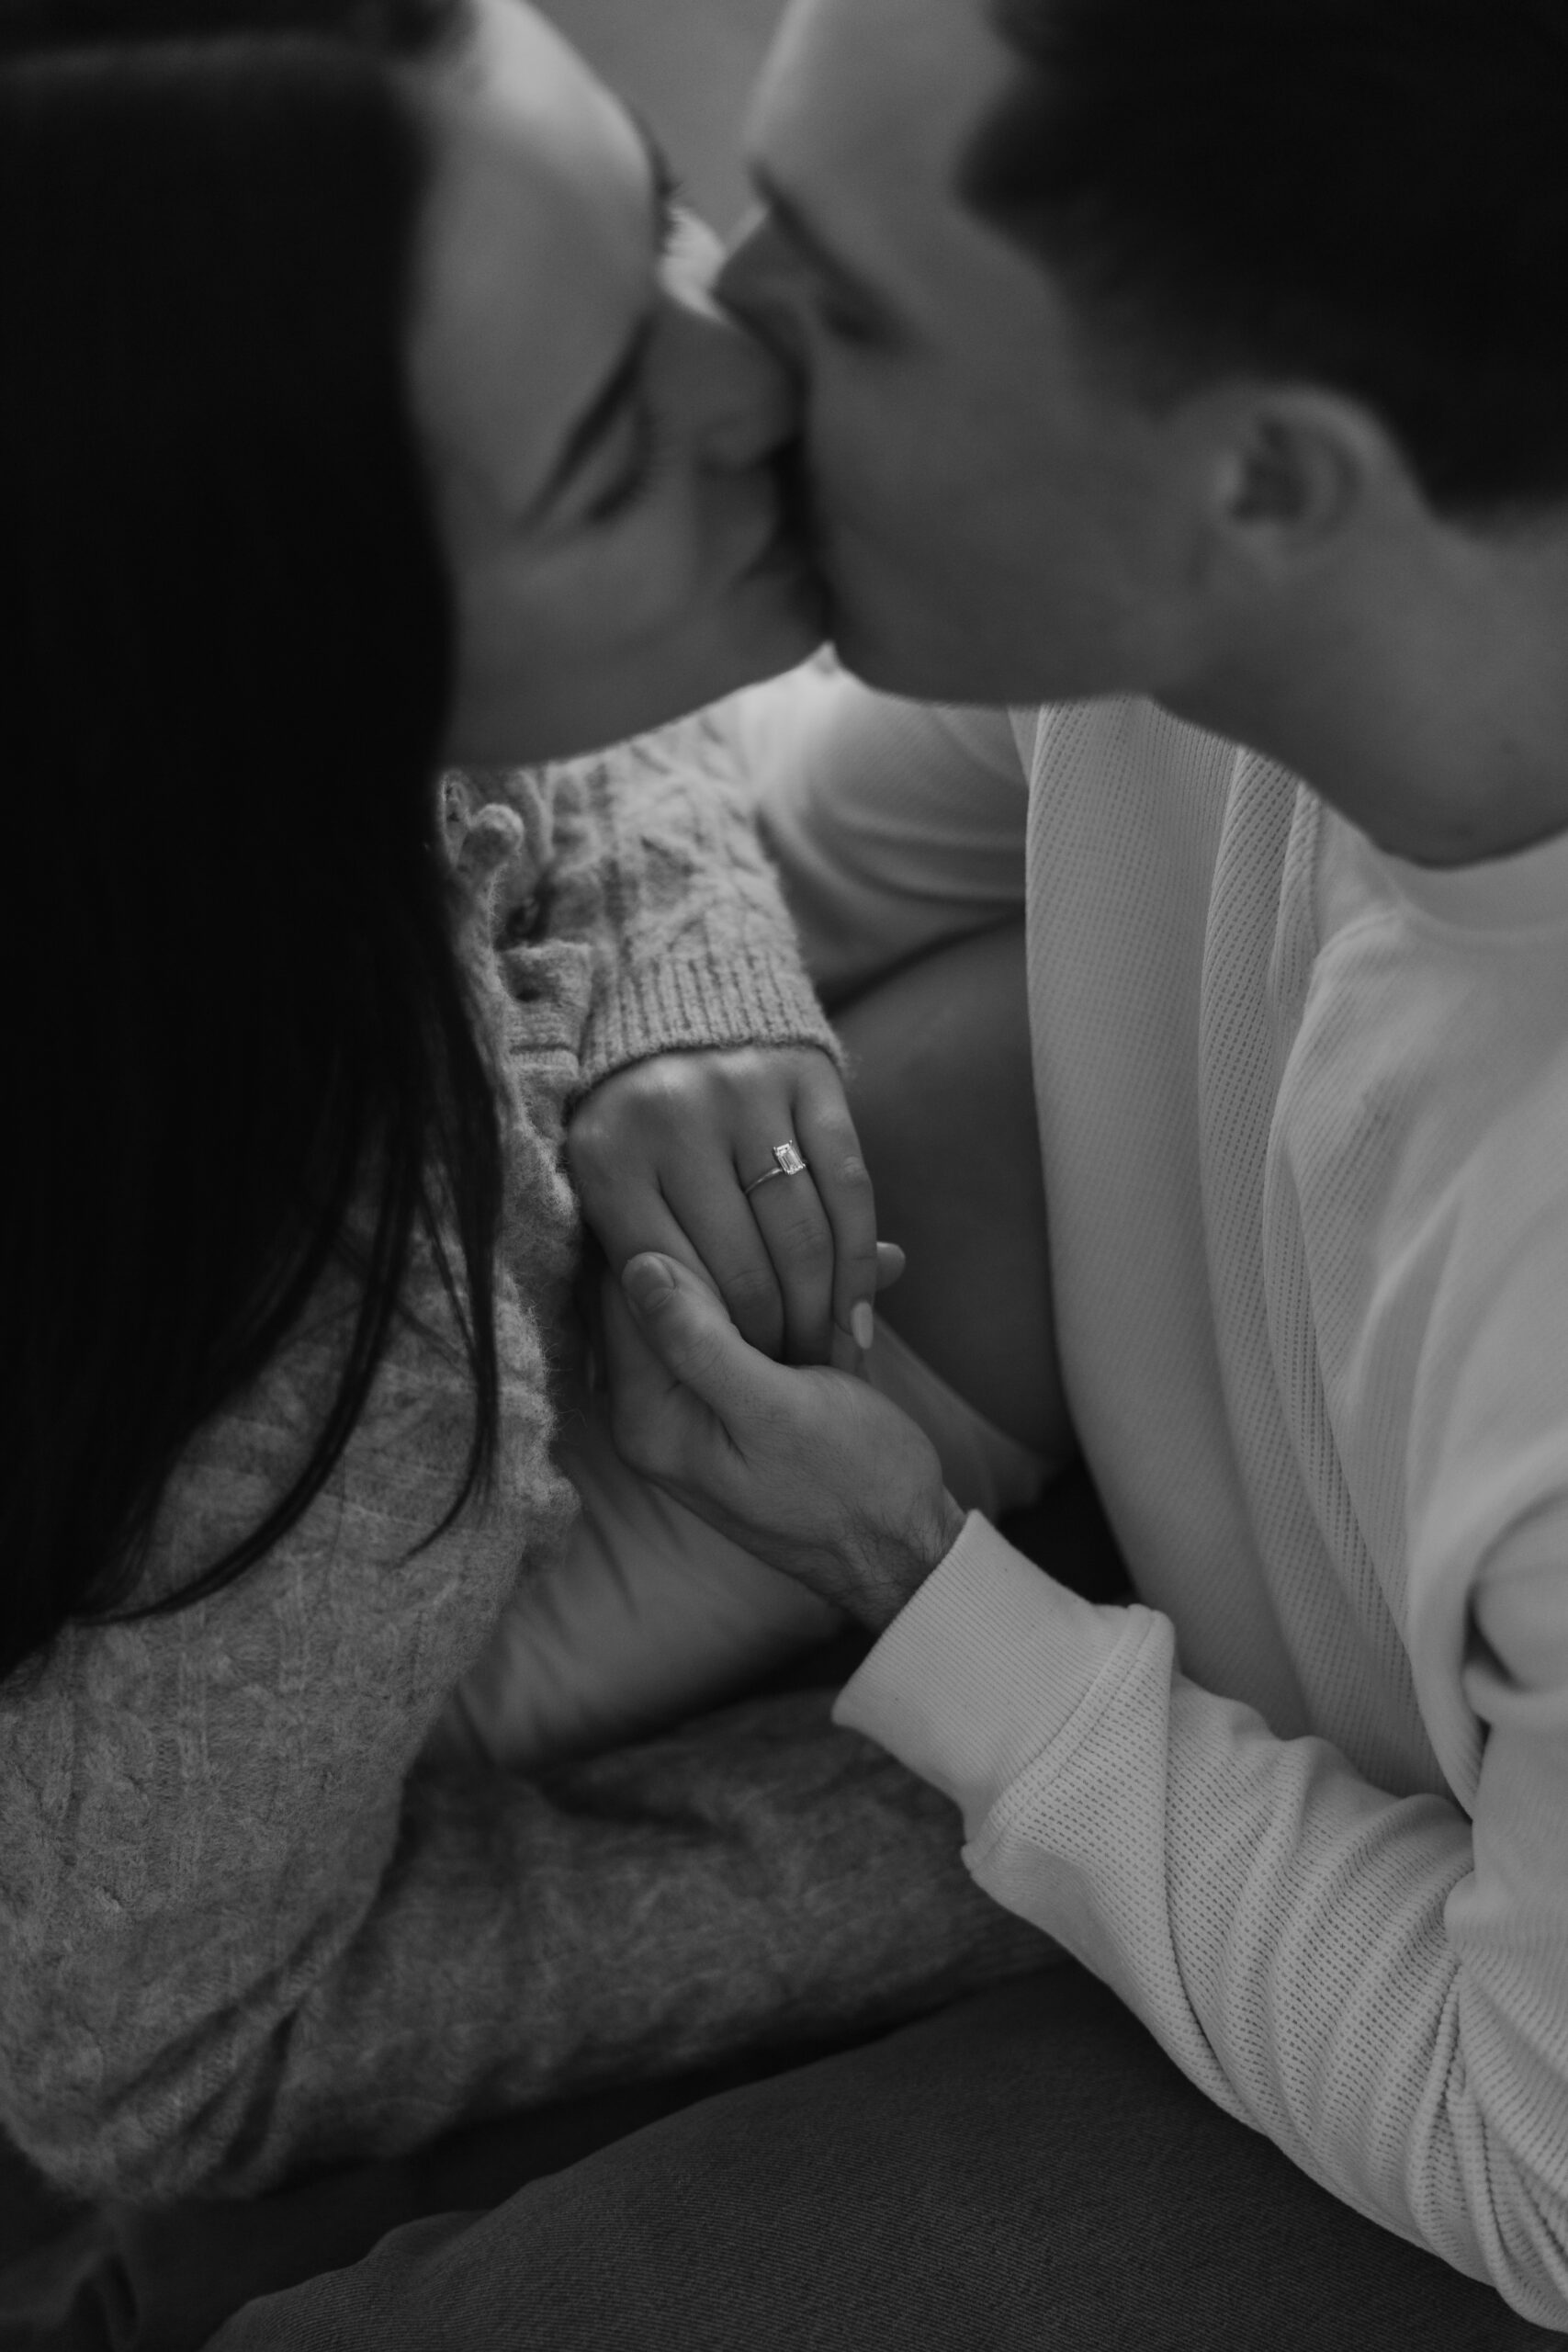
x,y
919,817
660,862
244,1929
890,825
700,1046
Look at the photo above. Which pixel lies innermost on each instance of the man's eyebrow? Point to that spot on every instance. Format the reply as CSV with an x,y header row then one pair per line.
x,y
598,420
801,232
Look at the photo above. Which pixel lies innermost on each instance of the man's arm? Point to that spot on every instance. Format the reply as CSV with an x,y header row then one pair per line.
x,y
896,826
1369,1979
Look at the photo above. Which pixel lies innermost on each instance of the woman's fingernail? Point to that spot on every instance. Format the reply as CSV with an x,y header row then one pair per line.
x,y
862,1323
646,1281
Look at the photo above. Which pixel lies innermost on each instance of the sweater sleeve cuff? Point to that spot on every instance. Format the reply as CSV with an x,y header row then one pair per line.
x,y
981,1671
696,1000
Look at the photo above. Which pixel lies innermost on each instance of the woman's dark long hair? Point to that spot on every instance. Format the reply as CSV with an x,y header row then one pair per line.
x,y
238,1049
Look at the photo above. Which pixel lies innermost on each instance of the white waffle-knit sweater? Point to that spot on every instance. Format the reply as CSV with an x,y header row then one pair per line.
x,y
1304,1113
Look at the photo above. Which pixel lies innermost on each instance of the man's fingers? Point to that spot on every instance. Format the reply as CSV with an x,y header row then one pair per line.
x,y
637,1376
890,1263
689,1332
661,1426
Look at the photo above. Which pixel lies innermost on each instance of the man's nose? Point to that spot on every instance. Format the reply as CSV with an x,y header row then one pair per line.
x,y
751,284
746,399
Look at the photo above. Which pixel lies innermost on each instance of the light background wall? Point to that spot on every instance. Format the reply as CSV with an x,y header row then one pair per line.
x,y
688,66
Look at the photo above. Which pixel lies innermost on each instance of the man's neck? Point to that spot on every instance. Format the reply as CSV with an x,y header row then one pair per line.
x,y
1437,723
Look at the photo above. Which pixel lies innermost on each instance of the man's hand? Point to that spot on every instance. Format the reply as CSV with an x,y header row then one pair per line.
x,y
811,1470
662,1153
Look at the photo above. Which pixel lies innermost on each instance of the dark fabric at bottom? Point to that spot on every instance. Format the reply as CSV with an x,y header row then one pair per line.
x,y
1025,2172
122,2281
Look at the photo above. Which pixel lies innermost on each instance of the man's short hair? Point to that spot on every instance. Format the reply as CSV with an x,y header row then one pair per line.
x,y
1371,195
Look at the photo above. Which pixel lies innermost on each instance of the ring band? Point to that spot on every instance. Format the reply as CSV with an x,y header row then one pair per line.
x,y
789,1163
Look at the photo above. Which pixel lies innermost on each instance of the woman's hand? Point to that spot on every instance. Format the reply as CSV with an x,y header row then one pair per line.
x,y
663,1153
811,1470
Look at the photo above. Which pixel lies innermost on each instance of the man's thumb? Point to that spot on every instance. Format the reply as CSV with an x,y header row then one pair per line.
x,y
684,1324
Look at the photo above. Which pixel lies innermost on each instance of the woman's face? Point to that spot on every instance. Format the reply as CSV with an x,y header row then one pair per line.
x,y
603,442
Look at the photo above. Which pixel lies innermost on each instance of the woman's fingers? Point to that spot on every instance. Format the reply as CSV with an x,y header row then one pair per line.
x,y
640,1218
667,1156
819,1224
716,1219
844,1189
791,1220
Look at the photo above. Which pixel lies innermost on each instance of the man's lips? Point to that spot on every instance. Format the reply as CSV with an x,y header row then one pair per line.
x,y
791,544
782,551
796,506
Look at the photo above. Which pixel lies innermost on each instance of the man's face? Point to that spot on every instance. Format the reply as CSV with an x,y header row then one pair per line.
x,y
996,521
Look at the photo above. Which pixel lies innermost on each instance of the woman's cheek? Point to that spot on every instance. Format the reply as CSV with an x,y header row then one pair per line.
x,y
597,595
664,567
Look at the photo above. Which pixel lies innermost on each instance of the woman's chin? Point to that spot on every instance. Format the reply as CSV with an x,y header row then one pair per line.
x,y
770,617
763,648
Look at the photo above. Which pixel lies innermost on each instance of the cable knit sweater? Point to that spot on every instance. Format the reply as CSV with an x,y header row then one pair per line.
x,y
245,1926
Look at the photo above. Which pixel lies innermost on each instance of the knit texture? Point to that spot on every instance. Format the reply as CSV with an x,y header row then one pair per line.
x,y
244,1927
1304,1115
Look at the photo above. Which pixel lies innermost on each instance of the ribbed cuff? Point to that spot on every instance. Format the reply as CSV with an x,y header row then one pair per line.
x,y
695,1000
982,1669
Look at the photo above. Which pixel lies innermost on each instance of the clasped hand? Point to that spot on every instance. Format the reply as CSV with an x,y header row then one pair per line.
x,y
809,1468
710,1284
662,1153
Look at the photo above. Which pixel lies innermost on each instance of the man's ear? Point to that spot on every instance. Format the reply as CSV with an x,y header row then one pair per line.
x,y
1298,471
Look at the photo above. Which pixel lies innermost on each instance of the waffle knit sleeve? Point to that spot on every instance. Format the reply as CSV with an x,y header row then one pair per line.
x,y
896,826
1371,1981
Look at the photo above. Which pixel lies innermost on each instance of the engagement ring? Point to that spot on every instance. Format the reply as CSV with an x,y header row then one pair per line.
x,y
789,1163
